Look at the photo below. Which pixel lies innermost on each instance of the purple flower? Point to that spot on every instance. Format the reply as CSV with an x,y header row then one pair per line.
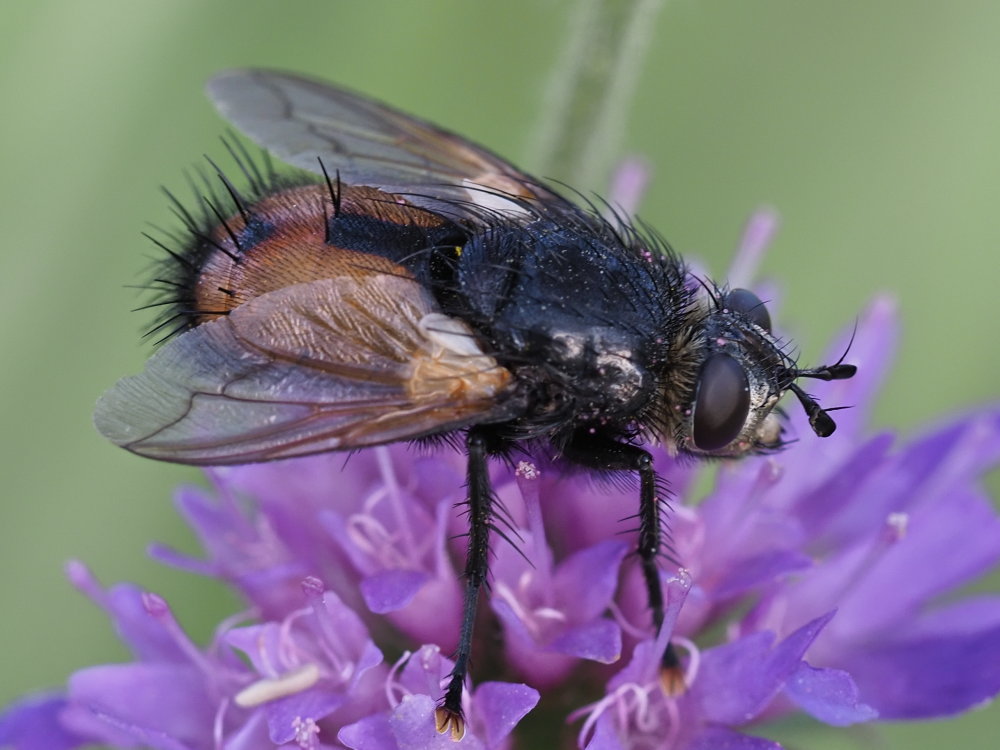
x,y
816,580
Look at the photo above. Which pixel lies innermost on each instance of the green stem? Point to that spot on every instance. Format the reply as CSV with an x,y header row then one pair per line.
x,y
590,90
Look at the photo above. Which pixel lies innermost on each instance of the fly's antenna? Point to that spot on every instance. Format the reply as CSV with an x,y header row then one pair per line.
x,y
819,419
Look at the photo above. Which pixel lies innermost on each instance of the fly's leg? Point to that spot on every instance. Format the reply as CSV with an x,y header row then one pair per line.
x,y
603,454
448,716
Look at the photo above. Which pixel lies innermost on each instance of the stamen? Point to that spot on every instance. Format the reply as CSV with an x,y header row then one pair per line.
x,y
392,685
694,658
272,688
617,699
892,532
550,613
332,645
229,623
635,631
218,725
157,607
527,470
527,476
372,538
306,732
394,495
504,592
288,651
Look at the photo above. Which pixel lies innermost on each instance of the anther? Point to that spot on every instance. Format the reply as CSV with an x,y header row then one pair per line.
x,y
272,688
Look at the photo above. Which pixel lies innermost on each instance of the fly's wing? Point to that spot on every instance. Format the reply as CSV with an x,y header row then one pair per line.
x,y
303,121
325,365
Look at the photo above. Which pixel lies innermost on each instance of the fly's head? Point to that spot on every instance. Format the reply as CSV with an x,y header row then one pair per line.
x,y
737,372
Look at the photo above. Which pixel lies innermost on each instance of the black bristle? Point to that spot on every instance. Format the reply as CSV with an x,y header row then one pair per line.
x,y
238,153
174,275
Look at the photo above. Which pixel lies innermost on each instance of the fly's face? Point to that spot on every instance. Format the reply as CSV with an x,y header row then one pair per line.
x,y
741,374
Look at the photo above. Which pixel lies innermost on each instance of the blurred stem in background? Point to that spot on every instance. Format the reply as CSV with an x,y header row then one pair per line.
x,y
589,92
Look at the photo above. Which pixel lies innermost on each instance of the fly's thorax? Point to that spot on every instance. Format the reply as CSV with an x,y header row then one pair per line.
x,y
570,379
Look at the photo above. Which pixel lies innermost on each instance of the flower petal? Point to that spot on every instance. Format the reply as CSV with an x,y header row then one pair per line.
x,y
929,677
33,724
925,558
423,671
585,582
412,725
125,604
738,680
761,569
499,707
719,738
968,616
537,663
597,640
828,694
370,733
390,590
161,704
605,737
261,644
314,704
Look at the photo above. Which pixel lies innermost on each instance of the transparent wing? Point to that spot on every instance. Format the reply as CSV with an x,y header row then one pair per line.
x,y
326,365
302,120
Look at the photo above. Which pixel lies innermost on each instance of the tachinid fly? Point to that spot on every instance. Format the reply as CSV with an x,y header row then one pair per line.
x,y
421,286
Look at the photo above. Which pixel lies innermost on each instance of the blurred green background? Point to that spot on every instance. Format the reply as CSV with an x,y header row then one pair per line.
x,y
873,127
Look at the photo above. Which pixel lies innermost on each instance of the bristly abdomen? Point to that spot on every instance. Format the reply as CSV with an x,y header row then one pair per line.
x,y
282,233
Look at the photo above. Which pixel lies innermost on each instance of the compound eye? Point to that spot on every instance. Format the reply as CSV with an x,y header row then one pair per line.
x,y
749,304
721,402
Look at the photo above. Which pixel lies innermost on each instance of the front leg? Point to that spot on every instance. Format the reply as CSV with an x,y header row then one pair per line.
x,y
604,454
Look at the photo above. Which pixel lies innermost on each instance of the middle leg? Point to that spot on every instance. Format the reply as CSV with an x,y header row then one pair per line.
x,y
604,454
